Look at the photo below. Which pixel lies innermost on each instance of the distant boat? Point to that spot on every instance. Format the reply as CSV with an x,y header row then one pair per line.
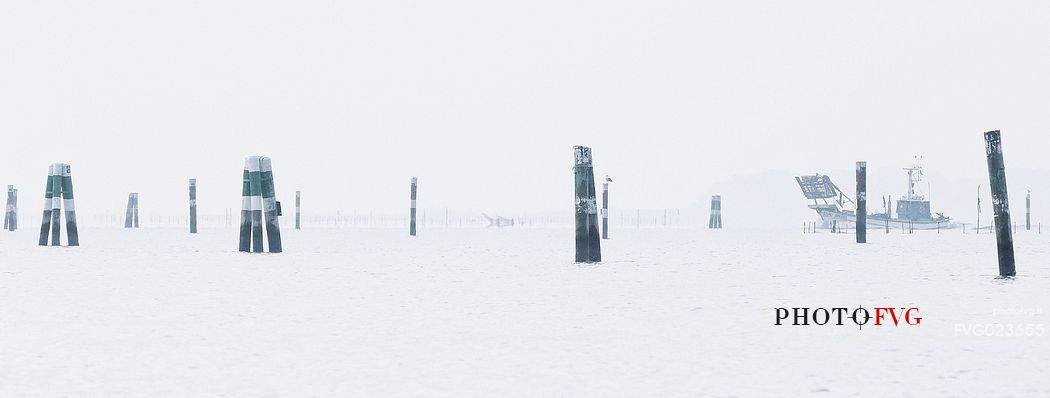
x,y
913,210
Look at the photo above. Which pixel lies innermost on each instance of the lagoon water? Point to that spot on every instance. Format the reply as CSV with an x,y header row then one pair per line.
x,y
505,312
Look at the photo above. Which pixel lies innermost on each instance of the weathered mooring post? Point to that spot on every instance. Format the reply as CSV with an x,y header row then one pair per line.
x,y
257,195
298,209
715,220
412,210
11,213
131,217
59,194
605,207
588,249
1028,211
271,207
889,212
1000,203
193,205
862,202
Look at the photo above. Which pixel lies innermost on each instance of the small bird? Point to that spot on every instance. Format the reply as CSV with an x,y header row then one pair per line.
x,y
607,179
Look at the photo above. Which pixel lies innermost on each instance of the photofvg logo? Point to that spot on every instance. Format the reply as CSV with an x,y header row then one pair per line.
x,y
841,316
1008,322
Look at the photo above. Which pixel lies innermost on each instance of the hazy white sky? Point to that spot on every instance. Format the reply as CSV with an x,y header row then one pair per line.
x,y
482,100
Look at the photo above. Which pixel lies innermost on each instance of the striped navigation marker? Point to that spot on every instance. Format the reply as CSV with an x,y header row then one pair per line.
x,y
257,199
131,217
605,207
11,214
588,249
412,211
58,194
716,212
193,205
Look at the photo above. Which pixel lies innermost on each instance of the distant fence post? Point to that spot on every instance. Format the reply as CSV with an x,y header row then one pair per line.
x,y
1028,211
1000,203
862,202
588,249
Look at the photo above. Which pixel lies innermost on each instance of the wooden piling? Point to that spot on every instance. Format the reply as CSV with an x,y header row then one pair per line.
x,y
1000,203
588,249
129,216
193,205
1028,211
715,221
412,210
271,208
298,209
605,207
862,202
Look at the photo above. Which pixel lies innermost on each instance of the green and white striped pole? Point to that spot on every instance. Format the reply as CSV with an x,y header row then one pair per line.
x,y
193,205
72,233
412,211
56,206
715,221
9,208
588,249
270,206
246,209
49,198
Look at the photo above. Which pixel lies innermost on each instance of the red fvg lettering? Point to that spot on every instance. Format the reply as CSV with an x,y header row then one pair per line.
x,y
905,315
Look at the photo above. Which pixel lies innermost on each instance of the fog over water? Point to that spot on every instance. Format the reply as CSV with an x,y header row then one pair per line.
x,y
483,100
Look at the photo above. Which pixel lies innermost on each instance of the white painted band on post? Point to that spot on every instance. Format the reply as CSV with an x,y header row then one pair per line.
x,y
264,164
257,203
251,163
413,203
246,202
68,204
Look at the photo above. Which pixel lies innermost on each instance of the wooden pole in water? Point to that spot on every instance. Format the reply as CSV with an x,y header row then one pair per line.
x,y
56,207
271,208
129,214
72,233
715,221
193,205
1028,211
412,210
588,249
245,244
605,208
889,212
862,202
298,203
11,215
49,196
1000,203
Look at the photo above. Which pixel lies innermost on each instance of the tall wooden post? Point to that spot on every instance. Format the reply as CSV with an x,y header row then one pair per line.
x,y
605,208
1028,211
862,202
59,193
270,206
716,212
49,198
298,209
588,249
246,209
129,215
9,213
1000,203
412,210
193,205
